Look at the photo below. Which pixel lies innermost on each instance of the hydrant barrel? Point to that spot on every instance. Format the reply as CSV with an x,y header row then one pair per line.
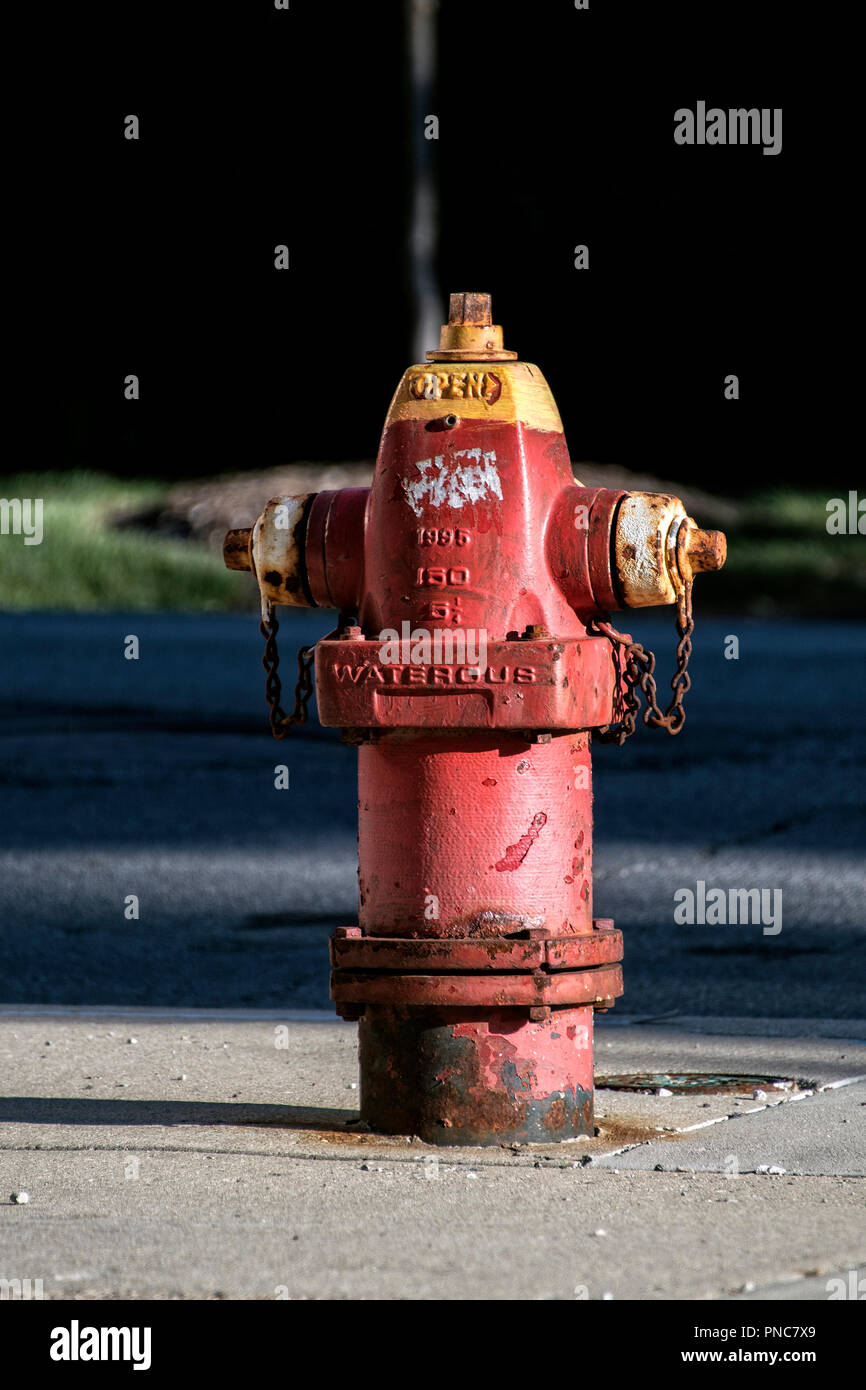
x,y
475,835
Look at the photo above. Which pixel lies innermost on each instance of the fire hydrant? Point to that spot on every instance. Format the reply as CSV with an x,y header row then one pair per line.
x,y
473,662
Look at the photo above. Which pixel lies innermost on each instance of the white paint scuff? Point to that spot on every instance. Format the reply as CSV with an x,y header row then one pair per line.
x,y
467,476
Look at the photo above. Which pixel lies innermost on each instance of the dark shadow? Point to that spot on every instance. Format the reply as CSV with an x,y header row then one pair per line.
x,y
73,1110
770,949
259,921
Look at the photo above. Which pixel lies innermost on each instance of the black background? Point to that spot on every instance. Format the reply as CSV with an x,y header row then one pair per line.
x,y
261,127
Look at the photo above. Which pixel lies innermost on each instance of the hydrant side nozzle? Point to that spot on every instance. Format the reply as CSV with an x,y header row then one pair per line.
x,y
306,551
658,548
278,550
580,547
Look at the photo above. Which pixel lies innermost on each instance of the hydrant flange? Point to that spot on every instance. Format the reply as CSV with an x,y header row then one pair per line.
x,y
533,971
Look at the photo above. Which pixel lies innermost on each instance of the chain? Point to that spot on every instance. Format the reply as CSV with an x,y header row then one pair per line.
x,y
279,720
635,667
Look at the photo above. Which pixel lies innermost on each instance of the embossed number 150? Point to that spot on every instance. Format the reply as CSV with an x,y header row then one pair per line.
x,y
440,577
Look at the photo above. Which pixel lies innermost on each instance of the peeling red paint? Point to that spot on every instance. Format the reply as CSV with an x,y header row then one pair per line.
x,y
515,854
525,1061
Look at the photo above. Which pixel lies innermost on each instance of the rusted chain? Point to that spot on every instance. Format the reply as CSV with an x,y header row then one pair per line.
x,y
635,667
281,722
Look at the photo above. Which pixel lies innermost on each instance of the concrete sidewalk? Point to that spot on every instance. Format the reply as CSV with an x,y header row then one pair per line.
x,y
205,1154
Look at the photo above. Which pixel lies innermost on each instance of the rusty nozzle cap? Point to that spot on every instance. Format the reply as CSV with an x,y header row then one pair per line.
x,y
699,550
236,550
470,335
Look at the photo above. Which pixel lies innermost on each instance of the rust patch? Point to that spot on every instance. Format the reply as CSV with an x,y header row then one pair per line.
x,y
619,1132
440,1082
515,854
336,1136
497,922
347,1137
236,549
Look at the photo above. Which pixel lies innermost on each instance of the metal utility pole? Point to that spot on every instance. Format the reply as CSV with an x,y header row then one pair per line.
x,y
421,19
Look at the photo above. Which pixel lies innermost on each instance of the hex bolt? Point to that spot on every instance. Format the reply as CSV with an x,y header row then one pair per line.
x,y
236,549
470,308
470,333
707,550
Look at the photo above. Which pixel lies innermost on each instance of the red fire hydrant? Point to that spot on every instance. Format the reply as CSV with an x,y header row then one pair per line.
x,y
472,661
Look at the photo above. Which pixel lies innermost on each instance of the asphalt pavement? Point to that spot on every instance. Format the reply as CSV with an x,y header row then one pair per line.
x,y
154,778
